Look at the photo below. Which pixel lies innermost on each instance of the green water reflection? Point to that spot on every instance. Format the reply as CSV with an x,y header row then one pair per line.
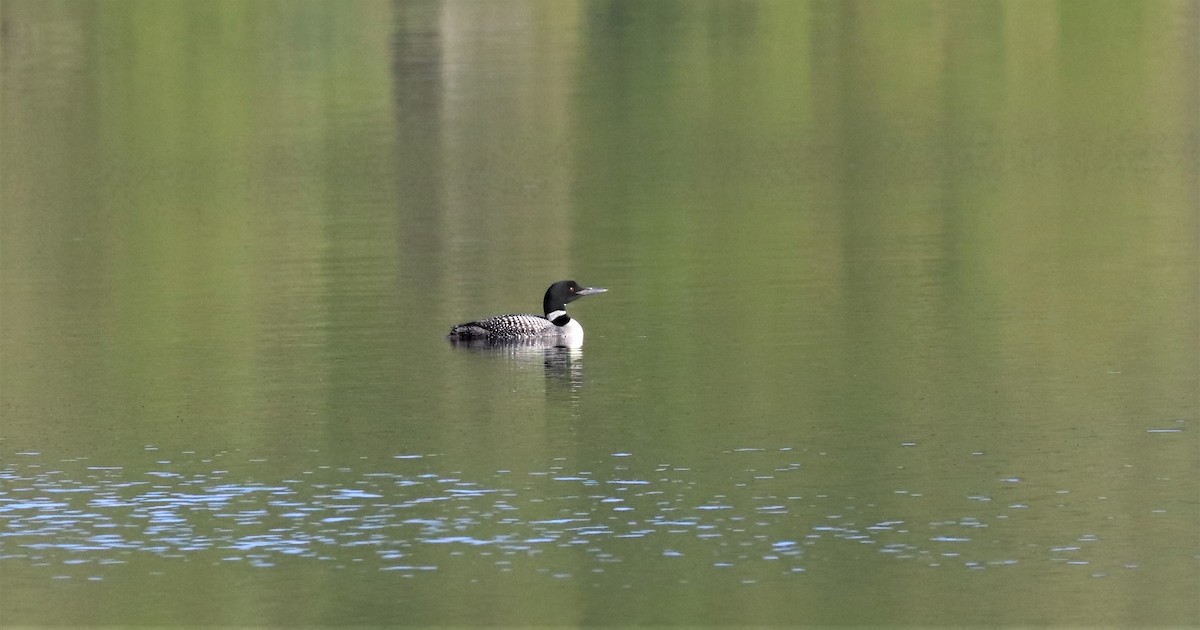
x,y
927,268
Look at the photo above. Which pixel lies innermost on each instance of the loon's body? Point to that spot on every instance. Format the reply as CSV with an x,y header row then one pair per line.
x,y
556,326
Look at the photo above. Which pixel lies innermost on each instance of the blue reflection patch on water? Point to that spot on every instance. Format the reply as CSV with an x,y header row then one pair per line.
x,y
387,518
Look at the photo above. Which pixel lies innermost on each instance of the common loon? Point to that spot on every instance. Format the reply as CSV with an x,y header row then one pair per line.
x,y
556,326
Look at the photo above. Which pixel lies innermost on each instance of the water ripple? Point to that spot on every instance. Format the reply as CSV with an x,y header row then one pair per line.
x,y
395,521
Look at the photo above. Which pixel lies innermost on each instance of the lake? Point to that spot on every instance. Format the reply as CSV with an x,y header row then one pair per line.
x,y
902,328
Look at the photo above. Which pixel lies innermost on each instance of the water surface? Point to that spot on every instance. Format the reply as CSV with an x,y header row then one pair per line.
x,y
902,324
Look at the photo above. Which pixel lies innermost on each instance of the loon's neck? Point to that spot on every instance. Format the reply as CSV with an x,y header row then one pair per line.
x,y
558,316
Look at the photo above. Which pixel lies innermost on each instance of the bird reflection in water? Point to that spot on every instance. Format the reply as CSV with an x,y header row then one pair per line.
x,y
562,363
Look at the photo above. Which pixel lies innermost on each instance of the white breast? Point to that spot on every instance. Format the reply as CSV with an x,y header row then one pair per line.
x,y
571,335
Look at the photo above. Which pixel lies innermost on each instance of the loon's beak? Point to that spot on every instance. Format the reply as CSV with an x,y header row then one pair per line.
x,y
590,291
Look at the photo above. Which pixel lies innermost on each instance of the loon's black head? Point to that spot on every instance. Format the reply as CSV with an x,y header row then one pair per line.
x,y
562,292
